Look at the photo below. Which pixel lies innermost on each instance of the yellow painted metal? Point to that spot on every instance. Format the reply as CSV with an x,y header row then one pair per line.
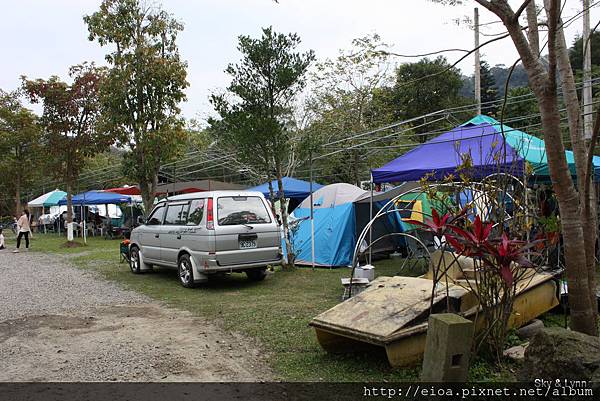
x,y
392,313
387,305
528,305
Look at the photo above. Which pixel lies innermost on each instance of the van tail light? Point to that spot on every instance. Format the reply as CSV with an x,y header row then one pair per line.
x,y
210,222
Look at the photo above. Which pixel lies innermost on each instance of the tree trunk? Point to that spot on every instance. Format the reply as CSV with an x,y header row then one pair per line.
x,y
18,193
587,205
590,228
147,196
69,201
272,196
582,313
284,219
356,167
543,84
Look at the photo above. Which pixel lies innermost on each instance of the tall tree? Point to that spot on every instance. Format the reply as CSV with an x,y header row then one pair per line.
x,y
576,51
489,91
349,96
19,145
144,86
424,87
518,77
70,117
256,112
523,109
577,204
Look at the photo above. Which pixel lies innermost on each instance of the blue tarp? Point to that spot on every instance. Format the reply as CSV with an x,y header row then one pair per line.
x,y
442,156
482,138
292,188
97,198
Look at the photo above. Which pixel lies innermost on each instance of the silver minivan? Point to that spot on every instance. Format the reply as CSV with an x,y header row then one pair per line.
x,y
205,233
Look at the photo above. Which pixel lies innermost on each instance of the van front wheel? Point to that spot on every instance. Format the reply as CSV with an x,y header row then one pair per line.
x,y
134,260
256,274
186,271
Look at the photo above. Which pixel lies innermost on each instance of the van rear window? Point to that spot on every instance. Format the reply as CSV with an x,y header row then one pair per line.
x,y
234,210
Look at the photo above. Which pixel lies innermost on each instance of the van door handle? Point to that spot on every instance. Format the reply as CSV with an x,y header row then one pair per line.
x,y
156,235
178,236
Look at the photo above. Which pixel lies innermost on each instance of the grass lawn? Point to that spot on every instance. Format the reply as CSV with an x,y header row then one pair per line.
x,y
276,311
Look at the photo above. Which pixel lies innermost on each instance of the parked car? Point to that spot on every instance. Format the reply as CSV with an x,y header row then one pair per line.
x,y
205,233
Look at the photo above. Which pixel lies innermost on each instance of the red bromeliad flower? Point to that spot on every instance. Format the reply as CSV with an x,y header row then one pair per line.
x,y
499,254
505,253
479,233
438,225
473,241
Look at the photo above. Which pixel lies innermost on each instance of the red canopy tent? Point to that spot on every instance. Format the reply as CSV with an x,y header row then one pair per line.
x,y
126,190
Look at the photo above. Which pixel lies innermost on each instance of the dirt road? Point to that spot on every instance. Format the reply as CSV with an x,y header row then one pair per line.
x,y
59,323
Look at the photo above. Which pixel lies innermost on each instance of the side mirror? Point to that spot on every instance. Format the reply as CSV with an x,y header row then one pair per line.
x,y
141,220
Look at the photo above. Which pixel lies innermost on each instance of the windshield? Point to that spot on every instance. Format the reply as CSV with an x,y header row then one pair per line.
x,y
234,210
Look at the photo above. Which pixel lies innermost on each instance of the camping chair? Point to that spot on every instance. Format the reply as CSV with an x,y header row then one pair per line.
x,y
112,232
124,251
415,257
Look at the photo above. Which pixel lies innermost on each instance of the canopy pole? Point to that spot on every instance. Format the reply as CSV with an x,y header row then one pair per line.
x,y
108,222
84,220
312,219
477,61
370,219
526,201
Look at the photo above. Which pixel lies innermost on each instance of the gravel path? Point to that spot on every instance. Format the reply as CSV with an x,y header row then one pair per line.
x,y
60,323
34,283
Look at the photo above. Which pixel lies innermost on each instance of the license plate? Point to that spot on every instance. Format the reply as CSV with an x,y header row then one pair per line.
x,y
248,244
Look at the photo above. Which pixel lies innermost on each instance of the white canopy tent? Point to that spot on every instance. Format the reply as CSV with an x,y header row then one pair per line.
x,y
48,199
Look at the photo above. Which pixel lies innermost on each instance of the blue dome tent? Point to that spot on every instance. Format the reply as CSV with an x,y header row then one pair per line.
x,y
338,221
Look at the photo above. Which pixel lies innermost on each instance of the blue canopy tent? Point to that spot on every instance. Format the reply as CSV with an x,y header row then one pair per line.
x,y
292,188
94,198
482,139
97,198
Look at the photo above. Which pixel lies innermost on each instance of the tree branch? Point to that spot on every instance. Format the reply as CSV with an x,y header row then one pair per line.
x,y
522,8
388,53
533,32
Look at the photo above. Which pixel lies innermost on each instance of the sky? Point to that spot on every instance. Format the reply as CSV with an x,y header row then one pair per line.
x,y
41,38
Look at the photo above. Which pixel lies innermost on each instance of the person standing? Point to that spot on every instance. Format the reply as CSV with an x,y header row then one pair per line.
x,y
23,229
1,240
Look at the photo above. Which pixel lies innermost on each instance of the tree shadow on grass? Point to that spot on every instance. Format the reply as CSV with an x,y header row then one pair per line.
x,y
233,281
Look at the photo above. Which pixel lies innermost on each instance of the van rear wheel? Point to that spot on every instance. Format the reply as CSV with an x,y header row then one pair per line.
x,y
256,274
186,271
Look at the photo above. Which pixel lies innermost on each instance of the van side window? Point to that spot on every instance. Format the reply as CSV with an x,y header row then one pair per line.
x,y
196,212
157,216
176,214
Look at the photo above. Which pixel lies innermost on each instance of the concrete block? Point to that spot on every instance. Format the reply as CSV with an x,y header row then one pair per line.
x,y
366,271
447,348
